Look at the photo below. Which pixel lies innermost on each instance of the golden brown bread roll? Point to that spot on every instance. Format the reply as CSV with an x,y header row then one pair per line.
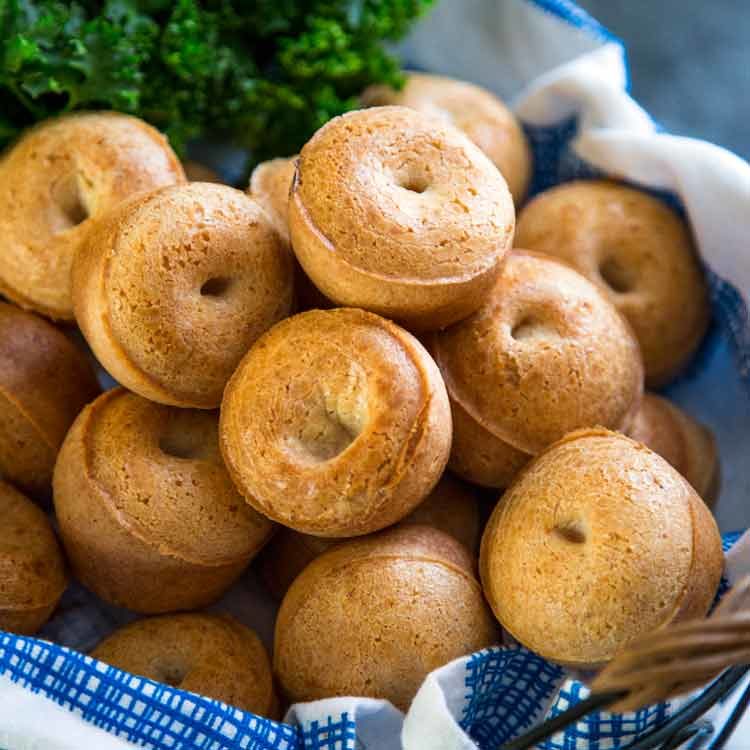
x,y
173,287
393,211
546,354
148,514
609,542
336,423
475,111
373,617
636,250
451,507
197,172
270,184
55,183
689,446
32,571
45,380
213,655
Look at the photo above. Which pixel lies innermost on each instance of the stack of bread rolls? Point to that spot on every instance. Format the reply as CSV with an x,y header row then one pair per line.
x,y
327,372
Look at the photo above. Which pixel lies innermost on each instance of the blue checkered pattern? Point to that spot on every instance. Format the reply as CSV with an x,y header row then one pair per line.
x,y
136,709
336,733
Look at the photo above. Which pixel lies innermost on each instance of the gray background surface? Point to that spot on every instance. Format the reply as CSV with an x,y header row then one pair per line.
x,y
689,62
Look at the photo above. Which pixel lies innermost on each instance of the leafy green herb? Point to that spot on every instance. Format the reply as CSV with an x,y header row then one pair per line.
x,y
264,74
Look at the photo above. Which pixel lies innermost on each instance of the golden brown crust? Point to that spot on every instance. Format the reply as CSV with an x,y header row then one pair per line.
x,y
545,354
270,184
372,617
689,446
54,185
336,423
166,317
32,571
148,514
636,250
612,541
451,507
473,110
45,380
433,216
212,655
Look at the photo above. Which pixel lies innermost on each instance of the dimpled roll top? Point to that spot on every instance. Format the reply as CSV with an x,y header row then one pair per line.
x,y
55,183
607,540
546,354
174,287
336,423
397,212
473,110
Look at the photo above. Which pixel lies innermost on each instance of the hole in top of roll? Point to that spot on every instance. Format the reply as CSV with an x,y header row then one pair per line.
x,y
181,444
525,328
415,184
216,287
616,276
69,198
171,673
573,531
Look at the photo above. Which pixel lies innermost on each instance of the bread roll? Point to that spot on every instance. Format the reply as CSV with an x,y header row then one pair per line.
x,y
148,514
173,287
336,423
45,380
546,354
55,184
32,571
373,617
598,542
639,252
393,211
212,655
473,110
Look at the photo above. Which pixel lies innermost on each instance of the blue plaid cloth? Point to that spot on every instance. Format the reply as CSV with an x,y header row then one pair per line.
x,y
506,690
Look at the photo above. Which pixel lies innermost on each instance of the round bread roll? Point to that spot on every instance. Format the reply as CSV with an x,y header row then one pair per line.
x,y
473,110
32,571
609,540
373,617
546,354
55,183
197,172
213,655
45,380
689,446
174,286
635,249
336,423
451,507
393,211
148,514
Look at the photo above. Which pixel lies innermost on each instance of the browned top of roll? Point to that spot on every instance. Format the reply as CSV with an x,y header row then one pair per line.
x,y
55,182
607,539
546,354
32,571
372,617
475,111
44,377
215,656
177,284
329,417
635,249
160,472
270,184
409,185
